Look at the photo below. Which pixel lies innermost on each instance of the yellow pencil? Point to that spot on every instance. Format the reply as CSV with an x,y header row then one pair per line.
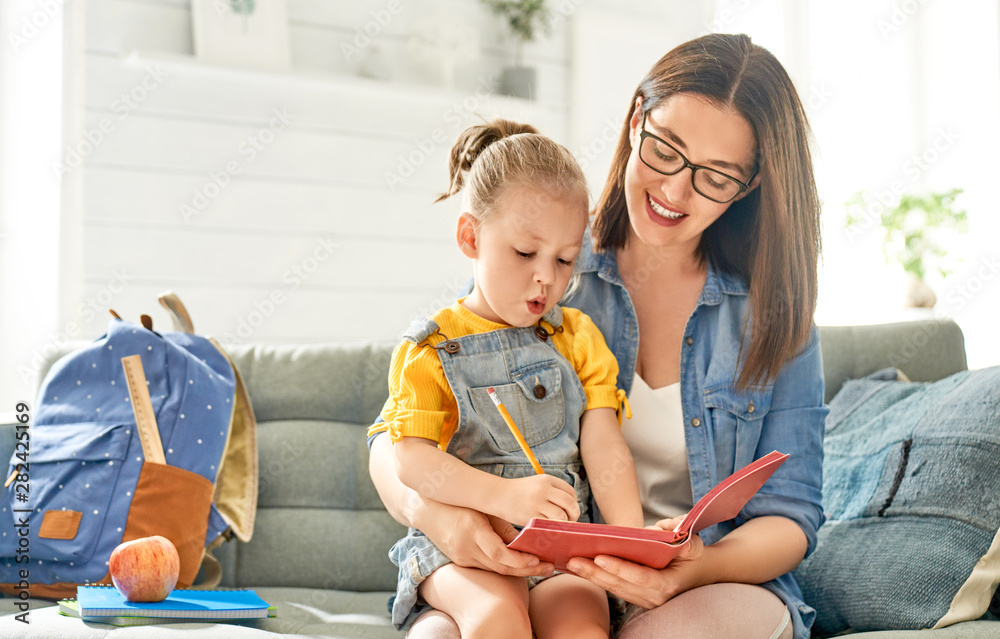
x,y
514,431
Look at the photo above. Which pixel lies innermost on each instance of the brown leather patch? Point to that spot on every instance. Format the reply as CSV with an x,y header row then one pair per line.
x,y
60,524
175,503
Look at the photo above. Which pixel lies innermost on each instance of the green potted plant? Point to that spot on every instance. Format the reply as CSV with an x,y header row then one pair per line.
x,y
912,234
524,19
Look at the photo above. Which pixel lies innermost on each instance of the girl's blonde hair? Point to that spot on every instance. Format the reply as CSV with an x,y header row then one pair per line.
x,y
489,159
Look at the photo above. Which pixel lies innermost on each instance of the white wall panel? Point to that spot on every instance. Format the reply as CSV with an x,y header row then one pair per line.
x,y
164,209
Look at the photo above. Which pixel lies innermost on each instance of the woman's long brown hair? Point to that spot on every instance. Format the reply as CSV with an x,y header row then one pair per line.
x,y
771,237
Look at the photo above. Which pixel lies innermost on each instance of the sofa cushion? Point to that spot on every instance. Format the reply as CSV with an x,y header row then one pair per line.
x,y
320,523
910,490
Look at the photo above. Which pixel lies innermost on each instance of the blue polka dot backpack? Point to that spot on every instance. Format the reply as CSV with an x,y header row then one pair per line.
x,y
139,433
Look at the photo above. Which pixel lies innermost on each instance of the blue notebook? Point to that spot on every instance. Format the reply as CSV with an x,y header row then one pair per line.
x,y
106,601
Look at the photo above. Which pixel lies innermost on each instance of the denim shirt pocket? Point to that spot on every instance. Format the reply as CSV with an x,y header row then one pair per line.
x,y
535,403
737,417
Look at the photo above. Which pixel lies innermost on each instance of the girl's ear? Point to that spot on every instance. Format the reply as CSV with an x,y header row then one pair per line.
x,y
465,235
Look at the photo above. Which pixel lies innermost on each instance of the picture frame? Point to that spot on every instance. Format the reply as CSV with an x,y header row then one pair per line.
x,y
250,33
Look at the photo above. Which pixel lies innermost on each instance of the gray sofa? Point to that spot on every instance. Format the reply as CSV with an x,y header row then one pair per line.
x,y
319,548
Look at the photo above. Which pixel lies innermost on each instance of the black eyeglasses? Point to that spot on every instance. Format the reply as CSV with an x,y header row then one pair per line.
x,y
663,157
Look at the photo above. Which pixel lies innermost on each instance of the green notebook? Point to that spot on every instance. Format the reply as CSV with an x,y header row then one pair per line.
x,y
69,608
106,601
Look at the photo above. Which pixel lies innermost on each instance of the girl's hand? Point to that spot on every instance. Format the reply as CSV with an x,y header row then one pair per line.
x,y
542,496
473,540
644,586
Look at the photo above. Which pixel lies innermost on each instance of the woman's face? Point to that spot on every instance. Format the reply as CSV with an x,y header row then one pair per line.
x,y
666,210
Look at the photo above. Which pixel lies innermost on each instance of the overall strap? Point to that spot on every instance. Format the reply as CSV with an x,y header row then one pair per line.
x,y
420,329
554,316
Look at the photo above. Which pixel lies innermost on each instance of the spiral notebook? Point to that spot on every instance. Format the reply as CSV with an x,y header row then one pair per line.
x,y
69,608
106,601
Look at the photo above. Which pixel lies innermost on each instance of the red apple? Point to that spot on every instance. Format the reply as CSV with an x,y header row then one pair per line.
x,y
145,569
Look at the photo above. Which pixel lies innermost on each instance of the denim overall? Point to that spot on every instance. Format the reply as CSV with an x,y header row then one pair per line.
x,y
543,395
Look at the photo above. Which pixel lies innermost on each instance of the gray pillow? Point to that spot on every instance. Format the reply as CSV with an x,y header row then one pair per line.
x,y
911,489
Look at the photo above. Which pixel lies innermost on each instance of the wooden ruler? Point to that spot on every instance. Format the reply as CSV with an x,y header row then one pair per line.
x,y
142,406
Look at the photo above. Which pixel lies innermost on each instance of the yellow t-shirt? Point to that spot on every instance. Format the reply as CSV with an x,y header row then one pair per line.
x,y
421,403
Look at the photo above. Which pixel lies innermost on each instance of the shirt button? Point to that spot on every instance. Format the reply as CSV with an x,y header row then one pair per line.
x,y
750,408
696,422
539,391
689,340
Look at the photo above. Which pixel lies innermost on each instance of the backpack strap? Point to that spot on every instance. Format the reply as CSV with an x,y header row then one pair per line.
x,y
236,481
179,315
211,570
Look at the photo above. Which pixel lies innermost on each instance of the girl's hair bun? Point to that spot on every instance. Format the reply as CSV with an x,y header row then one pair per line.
x,y
471,144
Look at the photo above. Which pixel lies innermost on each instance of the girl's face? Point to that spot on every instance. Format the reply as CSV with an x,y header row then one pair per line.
x,y
666,210
524,253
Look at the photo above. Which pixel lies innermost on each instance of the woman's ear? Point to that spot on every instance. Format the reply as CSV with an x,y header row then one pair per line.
x,y
465,235
635,121
754,183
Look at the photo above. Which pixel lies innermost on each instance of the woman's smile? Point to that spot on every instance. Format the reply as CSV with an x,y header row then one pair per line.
x,y
663,214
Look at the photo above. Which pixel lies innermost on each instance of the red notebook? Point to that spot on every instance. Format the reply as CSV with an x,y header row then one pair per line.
x,y
558,541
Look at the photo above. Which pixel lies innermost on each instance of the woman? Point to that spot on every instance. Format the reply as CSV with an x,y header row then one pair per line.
x,y
705,243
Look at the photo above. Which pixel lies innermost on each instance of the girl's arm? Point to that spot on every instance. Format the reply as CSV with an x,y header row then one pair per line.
x,y
610,468
758,551
466,536
440,476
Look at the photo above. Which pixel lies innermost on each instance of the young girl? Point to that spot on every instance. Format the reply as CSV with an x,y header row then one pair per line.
x,y
524,217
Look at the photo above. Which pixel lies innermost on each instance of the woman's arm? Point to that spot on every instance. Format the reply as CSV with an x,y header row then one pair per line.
x,y
758,551
610,468
433,473
468,537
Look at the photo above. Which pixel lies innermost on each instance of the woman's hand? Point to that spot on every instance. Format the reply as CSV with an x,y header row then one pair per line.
x,y
474,540
760,550
644,586
466,536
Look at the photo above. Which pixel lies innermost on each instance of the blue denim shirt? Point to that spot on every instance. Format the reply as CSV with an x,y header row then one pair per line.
x,y
725,428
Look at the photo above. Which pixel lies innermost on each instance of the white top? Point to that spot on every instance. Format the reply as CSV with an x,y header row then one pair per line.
x,y
655,435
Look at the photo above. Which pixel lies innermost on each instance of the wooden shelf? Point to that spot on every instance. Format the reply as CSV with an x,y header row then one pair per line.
x,y
189,65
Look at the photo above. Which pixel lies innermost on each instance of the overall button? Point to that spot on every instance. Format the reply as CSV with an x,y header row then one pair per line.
x,y
451,347
539,391
541,333
689,341
696,422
